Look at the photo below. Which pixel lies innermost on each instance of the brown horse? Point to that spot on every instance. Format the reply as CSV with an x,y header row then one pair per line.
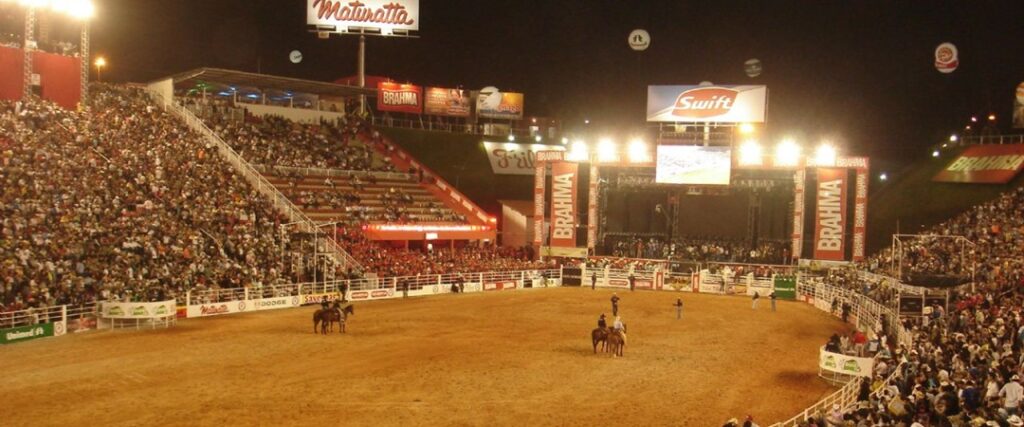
x,y
326,318
616,341
599,335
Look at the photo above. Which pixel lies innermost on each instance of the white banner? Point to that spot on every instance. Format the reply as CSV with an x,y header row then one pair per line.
x,y
509,158
218,308
385,15
721,104
847,365
318,298
373,294
275,303
138,310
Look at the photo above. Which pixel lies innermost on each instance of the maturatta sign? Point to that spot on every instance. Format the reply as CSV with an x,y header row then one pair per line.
x,y
722,104
830,217
344,16
985,164
563,204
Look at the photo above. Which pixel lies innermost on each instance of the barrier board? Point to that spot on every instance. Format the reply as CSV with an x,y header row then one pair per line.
x,y
138,310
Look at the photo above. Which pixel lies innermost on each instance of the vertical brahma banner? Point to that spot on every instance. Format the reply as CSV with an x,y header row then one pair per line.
x,y
799,180
564,176
860,214
830,215
538,205
592,208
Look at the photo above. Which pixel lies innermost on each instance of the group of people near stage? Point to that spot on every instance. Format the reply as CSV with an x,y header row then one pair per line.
x,y
699,249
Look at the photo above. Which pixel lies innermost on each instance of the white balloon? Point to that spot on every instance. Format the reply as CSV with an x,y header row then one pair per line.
x,y
295,56
639,40
752,67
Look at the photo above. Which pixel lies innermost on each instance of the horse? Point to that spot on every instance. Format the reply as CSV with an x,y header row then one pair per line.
x,y
616,341
326,318
599,335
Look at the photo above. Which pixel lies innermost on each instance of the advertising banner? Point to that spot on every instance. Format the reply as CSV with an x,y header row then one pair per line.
x,y
442,101
138,310
402,98
384,15
25,333
592,196
500,286
830,215
509,158
499,105
799,181
275,303
317,298
549,251
691,164
564,176
985,164
860,215
721,104
785,287
539,184
373,294
1018,107
847,365
217,308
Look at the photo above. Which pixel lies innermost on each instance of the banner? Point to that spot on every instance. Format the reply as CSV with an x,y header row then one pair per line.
x,y
384,15
592,214
25,333
785,287
549,251
860,214
539,184
564,176
509,158
374,294
1018,107
500,286
847,365
985,164
317,298
446,102
830,215
138,310
499,105
799,181
217,308
275,303
402,98
721,104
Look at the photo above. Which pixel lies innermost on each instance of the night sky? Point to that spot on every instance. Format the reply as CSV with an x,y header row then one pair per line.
x,y
858,72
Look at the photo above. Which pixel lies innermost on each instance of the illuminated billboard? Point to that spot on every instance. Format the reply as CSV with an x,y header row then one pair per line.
x,y
691,164
719,104
383,16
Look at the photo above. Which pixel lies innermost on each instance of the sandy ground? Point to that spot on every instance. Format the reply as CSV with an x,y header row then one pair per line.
x,y
514,358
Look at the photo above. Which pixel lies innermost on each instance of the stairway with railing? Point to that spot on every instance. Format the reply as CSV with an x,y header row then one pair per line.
x,y
281,203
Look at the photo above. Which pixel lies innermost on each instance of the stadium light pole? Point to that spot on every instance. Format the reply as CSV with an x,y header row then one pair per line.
x,y
30,24
100,63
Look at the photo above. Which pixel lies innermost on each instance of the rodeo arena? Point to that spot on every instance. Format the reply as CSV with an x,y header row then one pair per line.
x,y
219,246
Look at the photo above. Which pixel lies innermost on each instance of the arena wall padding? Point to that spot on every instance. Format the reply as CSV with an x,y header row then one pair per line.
x,y
11,77
60,77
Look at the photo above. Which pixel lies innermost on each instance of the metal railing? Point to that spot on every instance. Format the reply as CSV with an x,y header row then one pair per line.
x,y
256,179
991,139
325,172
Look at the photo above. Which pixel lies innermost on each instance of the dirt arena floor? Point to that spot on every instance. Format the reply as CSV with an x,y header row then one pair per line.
x,y
514,358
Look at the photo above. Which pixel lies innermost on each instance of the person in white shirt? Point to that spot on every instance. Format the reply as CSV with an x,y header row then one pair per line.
x,y
1012,393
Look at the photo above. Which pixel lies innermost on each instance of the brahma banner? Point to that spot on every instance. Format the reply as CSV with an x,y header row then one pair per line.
x,y
860,215
564,177
799,181
446,102
385,15
721,104
509,158
830,215
985,164
499,105
402,98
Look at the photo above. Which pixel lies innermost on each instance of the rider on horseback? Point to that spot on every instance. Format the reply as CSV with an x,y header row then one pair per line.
x,y
601,323
620,328
324,304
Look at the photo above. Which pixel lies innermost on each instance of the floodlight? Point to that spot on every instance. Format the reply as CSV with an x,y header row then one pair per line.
x,y
746,128
538,138
751,153
935,153
638,152
787,153
578,151
825,155
953,138
606,150
511,138
883,176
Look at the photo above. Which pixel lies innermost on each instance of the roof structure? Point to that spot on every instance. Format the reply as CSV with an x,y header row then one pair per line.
x,y
265,82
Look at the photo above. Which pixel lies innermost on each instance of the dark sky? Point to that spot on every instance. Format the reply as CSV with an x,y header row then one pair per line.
x,y
860,72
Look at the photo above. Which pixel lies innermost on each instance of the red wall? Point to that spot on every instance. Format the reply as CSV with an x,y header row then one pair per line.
x,y
11,76
59,76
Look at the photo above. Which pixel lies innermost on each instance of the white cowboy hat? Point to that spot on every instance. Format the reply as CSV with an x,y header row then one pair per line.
x,y
1015,421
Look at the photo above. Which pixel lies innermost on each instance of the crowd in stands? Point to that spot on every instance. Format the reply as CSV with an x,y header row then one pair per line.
x,y
700,249
122,202
16,41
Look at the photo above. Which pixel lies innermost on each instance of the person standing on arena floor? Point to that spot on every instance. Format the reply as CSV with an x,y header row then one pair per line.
x,y
753,304
632,282
773,297
615,304
593,280
679,308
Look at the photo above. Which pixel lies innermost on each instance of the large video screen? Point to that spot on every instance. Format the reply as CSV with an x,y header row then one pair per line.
x,y
691,164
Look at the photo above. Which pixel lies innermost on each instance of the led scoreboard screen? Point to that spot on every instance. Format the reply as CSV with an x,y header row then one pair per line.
x,y
691,164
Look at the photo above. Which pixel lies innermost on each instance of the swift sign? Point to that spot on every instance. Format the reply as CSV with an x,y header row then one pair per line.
x,y
720,104
377,16
985,164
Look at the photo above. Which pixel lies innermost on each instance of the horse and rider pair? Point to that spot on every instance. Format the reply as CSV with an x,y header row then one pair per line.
x,y
327,315
612,340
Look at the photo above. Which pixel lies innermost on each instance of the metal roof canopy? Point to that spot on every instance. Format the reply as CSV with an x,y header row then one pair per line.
x,y
265,81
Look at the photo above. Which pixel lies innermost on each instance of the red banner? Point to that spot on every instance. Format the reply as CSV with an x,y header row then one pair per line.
x,y
985,164
539,181
592,208
830,214
563,204
403,98
799,180
860,215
